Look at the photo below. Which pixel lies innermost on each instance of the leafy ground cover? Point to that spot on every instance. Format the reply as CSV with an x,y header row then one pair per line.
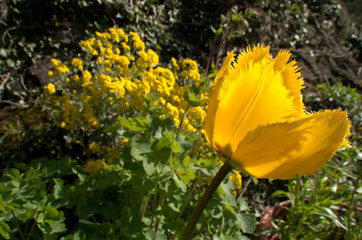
x,y
91,149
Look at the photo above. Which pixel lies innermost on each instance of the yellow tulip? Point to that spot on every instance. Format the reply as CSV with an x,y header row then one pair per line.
x,y
257,121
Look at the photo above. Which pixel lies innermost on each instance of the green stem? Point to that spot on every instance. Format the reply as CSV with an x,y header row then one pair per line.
x,y
18,225
144,206
194,218
195,184
183,120
31,230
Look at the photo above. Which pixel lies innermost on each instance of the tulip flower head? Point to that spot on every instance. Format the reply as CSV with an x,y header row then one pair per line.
x,y
257,121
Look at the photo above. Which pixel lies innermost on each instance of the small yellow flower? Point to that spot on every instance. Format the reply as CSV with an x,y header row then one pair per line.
x,y
50,88
78,63
87,76
175,64
237,179
257,121
138,44
60,68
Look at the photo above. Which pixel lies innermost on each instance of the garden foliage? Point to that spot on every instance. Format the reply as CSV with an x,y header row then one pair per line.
x,y
144,160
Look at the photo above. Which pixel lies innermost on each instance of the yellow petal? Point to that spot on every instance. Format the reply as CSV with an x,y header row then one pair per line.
x,y
215,98
282,150
291,76
255,92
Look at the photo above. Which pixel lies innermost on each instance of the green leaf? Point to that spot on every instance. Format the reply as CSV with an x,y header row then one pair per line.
x,y
243,205
179,183
175,206
150,235
192,98
279,193
65,165
113,128
58,187
205,162
183,144
27,214
14,206
4,230
12,173
51,213
149,167
75,236
57,227
21,166
185,175
48,236
140,148
163,148
2,206
137,124
248,222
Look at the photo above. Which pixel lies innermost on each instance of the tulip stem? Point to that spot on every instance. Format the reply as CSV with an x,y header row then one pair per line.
x,y
194,218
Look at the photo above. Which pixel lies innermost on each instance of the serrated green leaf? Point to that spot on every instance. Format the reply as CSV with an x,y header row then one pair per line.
x,y
51,213
243,205
192,98
57,226
137,124
140,148
149,167
185,175
248,222
58,187
27,214
179,183
163,143
163,149
205,162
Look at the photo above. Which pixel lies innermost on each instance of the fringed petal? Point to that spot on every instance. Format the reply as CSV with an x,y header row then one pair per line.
x,y
255,94
215,97
282,150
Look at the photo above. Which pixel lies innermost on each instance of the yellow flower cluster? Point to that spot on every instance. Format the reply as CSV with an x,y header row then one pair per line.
x,y
70,114
77,63
138,44
93,166
123,75
50,88
189,69
237,179
59,68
